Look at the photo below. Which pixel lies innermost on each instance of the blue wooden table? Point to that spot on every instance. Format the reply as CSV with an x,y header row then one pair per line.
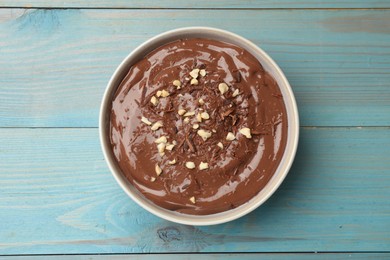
x,y
58,198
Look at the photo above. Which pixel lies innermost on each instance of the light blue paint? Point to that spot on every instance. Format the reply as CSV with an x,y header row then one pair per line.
x,y
55,64
57,196
199,4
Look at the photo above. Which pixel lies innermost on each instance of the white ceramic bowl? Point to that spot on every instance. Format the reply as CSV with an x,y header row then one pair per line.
x,y
268,64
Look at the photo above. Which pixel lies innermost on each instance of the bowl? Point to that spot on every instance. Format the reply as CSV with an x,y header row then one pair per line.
x,y
269,65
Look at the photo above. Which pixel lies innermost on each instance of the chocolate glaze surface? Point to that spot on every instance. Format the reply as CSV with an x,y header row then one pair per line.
x,y
236,172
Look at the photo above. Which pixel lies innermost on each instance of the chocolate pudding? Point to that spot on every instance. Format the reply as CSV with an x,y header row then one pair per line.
x,y
198,126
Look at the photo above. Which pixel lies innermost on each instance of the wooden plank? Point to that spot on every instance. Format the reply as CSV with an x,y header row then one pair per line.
x,y
199,4
58,197
55,64
270,256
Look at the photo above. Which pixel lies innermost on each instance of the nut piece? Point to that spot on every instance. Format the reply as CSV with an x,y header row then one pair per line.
x,y
193,200
162,139
191,113
246,131
154,100
157,169
172,162
158,93
177,83
194,73
164,93
203,72
181,112
199,118
220,145
152,179
186,120
146,121
156,126
230,136
194,82
205,115
161,149
169,147
195,126
203,166
201,101
204,134
236,93
223,88
190,165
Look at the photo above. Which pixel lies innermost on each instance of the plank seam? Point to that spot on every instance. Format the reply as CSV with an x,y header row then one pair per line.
x,y
199,8
209,253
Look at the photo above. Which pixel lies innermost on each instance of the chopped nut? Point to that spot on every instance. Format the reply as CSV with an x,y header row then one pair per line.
x,y
162,139
202,72
190,165
181,112
203,166
177,83
195,126
169,147
154,100
186,120
194,73
230,136
158,94
199,118
157,169
152,179
223,88
194,82
220,145
236,93
174,142
172,162
156,126
191,113
193,200
204,134
161,149
146,121
164,93
246,131
214,131
205,115
201,101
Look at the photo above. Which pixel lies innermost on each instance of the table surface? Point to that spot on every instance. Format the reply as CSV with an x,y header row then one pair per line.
x,y
57,196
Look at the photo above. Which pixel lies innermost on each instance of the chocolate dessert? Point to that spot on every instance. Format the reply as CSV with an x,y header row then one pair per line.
x,y
198,126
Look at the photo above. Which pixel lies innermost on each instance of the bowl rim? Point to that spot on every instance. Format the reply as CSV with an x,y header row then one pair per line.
x,y
292,117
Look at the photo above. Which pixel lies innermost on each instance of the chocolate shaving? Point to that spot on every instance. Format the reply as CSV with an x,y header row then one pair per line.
x,y
234,119
237,76
227,112
190,145
143,94
254,132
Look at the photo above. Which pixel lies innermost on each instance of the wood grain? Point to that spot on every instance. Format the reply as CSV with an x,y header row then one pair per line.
x,y
58,197
198,4
271,256
55,64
